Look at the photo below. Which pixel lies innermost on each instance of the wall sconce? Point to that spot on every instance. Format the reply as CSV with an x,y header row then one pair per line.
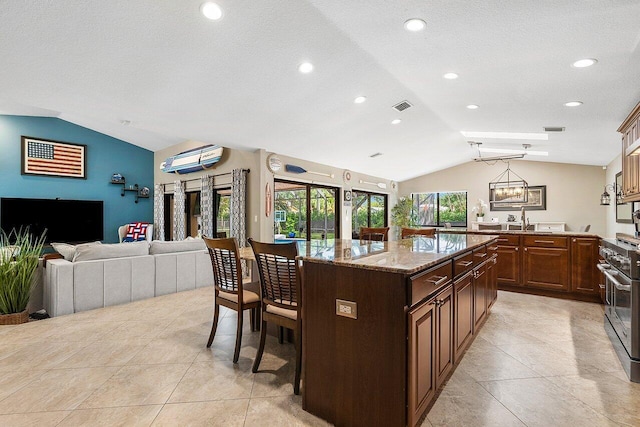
x,y
605,198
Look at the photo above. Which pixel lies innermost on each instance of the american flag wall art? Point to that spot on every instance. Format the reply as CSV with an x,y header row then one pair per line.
x,y
53,158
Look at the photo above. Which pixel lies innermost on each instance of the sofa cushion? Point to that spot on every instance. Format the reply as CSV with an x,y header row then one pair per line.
x,y
136,232
114,250
68,251
161,247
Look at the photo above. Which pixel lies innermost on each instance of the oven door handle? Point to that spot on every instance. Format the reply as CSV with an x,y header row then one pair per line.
x,y
603,267
619,286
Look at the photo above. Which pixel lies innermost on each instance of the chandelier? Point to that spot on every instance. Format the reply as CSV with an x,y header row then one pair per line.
x,y
508,187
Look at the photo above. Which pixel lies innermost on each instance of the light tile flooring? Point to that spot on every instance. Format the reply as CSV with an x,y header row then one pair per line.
x,y
536,362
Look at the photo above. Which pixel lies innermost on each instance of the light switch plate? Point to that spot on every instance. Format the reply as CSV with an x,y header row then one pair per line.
x,y
347,308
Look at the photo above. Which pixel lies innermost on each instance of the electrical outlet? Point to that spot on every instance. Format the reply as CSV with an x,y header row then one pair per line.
x,y
347,308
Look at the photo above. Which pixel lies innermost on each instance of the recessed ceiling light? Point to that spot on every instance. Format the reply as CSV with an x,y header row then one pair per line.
x,y
415,24
506,135
211,11
360,99
573,103
472,107
395,121
450,76
582,63
305,67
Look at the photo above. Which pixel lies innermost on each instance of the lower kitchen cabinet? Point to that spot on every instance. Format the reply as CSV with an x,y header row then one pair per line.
x,y
509,265
546,268
480,293
584,255
430,350
464,320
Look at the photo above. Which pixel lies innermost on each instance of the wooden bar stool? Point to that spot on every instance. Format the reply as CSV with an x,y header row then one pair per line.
x,y
280,292
408,232
374,233
228,285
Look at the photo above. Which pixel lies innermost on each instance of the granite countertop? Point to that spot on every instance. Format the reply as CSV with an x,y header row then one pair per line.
x,y
526,233
406,256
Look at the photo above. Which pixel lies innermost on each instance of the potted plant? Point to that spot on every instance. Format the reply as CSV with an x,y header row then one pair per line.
x,y
402,214
19,258
479,209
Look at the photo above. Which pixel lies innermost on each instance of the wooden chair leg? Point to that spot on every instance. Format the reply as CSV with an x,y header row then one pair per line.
x,y
252,319
298,338
280,334
236,354
216,315
263,335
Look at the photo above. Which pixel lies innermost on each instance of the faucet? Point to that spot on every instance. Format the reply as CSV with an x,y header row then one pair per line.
x,y
523,220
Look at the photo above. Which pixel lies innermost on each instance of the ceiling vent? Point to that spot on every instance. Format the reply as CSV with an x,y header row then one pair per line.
x,y
375,155
402,106
553,129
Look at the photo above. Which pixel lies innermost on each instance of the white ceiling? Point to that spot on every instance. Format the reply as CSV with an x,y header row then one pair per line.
x,y
177,76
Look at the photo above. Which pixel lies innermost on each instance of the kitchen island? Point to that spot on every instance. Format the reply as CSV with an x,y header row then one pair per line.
x,y
386,322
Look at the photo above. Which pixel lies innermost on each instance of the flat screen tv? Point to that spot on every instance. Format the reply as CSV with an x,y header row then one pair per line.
x,y
71,221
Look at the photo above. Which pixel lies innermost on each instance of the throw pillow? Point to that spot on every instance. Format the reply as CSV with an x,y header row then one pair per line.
x,y
136,232
69,251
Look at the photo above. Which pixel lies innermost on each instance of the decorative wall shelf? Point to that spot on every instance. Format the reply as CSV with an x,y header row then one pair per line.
x,y
132,188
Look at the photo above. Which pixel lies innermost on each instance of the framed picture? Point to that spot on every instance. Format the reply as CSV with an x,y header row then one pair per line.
x,y
53,158
536,201
623,211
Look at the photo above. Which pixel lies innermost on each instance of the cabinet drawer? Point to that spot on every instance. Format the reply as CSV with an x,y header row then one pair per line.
x,y
462,264
546,241
508,240
480,255
429,282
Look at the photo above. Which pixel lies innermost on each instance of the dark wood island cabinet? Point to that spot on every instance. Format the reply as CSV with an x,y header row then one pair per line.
x,y
385,323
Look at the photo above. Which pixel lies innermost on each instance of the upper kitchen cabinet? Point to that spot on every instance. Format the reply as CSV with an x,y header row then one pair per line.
x,y
630,130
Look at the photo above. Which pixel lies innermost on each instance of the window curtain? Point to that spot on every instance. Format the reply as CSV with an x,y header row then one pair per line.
x,y
179,197
206,206
158,212
238,206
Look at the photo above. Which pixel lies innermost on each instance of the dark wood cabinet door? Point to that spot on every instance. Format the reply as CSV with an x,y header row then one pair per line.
x,y
480,294
508,267
546,268
584,258
463,307
422,350
492,279
444,335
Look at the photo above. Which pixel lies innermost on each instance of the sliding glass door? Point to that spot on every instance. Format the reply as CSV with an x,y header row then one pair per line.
x,y
305,211
369,210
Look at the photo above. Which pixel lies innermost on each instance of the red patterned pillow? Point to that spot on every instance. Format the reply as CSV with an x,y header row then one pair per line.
x,y
136,232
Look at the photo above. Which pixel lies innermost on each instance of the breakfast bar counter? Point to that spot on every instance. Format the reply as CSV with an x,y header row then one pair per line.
x,y
384,323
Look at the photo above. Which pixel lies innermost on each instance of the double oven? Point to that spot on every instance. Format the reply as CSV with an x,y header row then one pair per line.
x,y
621,269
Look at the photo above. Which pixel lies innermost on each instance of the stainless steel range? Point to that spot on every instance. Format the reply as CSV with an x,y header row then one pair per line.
x,y
622,302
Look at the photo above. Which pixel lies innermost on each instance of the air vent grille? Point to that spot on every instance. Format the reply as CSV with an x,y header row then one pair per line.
x,y
402,106
375,155
553,129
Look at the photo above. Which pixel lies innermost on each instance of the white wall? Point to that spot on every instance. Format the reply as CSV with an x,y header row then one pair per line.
x,y
573,191
612,226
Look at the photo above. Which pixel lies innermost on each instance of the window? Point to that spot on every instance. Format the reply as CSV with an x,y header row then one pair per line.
x,y
369,210
293,200
437,209
193,226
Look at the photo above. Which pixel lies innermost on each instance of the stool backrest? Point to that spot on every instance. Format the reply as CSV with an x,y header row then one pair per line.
x,y
408,232
225,261
374,233
279,273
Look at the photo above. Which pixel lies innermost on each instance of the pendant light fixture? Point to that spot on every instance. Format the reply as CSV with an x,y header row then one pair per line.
x,y
508,187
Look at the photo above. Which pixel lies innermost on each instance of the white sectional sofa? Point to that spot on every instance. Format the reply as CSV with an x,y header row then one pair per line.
x,y
108,274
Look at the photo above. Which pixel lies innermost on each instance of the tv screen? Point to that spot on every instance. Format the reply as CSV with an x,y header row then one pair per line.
x,y
71,221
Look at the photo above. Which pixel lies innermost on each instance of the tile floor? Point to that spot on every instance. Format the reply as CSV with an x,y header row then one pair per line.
x,y
536,362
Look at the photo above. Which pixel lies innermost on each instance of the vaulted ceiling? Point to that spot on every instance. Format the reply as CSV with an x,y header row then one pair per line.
x,y
156,73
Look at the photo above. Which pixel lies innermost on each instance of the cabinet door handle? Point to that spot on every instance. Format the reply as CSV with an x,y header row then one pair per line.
x,y
517,249
465,263
574,240
438,280
503,240
526,249
544,241
481,255
493,248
